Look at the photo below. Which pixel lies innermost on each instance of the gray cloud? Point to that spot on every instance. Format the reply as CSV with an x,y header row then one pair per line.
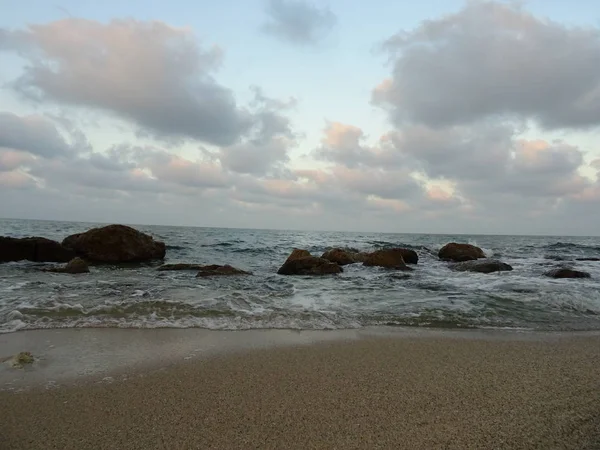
x,y
494,59
34,134
147,72
297,21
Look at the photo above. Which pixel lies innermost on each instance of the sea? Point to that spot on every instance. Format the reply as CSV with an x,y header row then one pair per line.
x,y
433,295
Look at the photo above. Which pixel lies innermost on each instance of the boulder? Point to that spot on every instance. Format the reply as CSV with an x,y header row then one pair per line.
x,y
76,265
460,252
340,256
309,265
216,270
391,258
180,266
36,249
409,256
482,266
566,273
115,244
297,254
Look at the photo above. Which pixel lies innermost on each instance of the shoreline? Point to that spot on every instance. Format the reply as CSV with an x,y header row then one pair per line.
x,y
378,388
71,356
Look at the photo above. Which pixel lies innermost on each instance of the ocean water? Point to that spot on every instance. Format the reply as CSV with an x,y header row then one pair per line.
x,y
138,296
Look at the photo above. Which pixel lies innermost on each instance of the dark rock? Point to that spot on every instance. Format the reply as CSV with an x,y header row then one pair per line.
x,y
460,252
309,265
389,258
297,254
76,265
341,256
114,244
566,273
409,256
587,259
216,270
482,266
36,249
181,266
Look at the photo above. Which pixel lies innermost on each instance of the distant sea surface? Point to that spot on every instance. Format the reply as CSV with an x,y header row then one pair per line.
x,y
138,296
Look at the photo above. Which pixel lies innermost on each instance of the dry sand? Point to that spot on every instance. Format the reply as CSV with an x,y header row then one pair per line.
x,y
396,393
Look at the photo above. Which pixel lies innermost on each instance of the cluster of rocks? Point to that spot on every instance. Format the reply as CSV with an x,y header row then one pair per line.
x,y
123,244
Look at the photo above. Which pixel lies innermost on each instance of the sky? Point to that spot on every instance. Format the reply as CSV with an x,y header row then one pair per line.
x,y
438,116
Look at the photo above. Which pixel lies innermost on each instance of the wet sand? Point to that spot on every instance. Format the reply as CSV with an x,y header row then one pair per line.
x,y
404,391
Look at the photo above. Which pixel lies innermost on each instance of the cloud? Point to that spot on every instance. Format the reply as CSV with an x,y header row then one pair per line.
x,y
493,60
266,147
150,73
34,134
297,21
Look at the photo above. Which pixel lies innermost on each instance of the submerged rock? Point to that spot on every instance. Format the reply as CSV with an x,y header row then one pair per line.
x,y
114,244
76,265
389,258
566,273
21,359
180,266
309,265
342,257
482,266
460,252
216,270
37,249
587,259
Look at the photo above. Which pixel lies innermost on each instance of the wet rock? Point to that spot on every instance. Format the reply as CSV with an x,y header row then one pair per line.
x,y
115,244
341,256
216,270
460,252
389,258
22,359
309,265
75,266
482,266
180,266
36,249
409,256
563,272
297,254
587,259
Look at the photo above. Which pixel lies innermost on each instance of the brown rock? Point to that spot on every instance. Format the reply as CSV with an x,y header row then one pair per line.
x,y
297,254
309,265
36,249
76,265
180,266
389,258
460,252
116,243
340,256
566,273
409,256
482,266
216,270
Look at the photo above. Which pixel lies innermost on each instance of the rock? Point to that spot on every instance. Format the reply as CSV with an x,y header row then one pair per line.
x,y
482,266
297,254
76,265
460,252
566,273
409,256
587,259
361,257
216,270
340,256
309,265
391,258
36,249
21,359
115,244
180,266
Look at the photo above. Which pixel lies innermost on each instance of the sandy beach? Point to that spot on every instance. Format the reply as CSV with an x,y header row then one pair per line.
x,y
450,391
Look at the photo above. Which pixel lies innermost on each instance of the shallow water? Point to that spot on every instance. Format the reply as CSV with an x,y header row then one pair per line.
x,y
140,297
